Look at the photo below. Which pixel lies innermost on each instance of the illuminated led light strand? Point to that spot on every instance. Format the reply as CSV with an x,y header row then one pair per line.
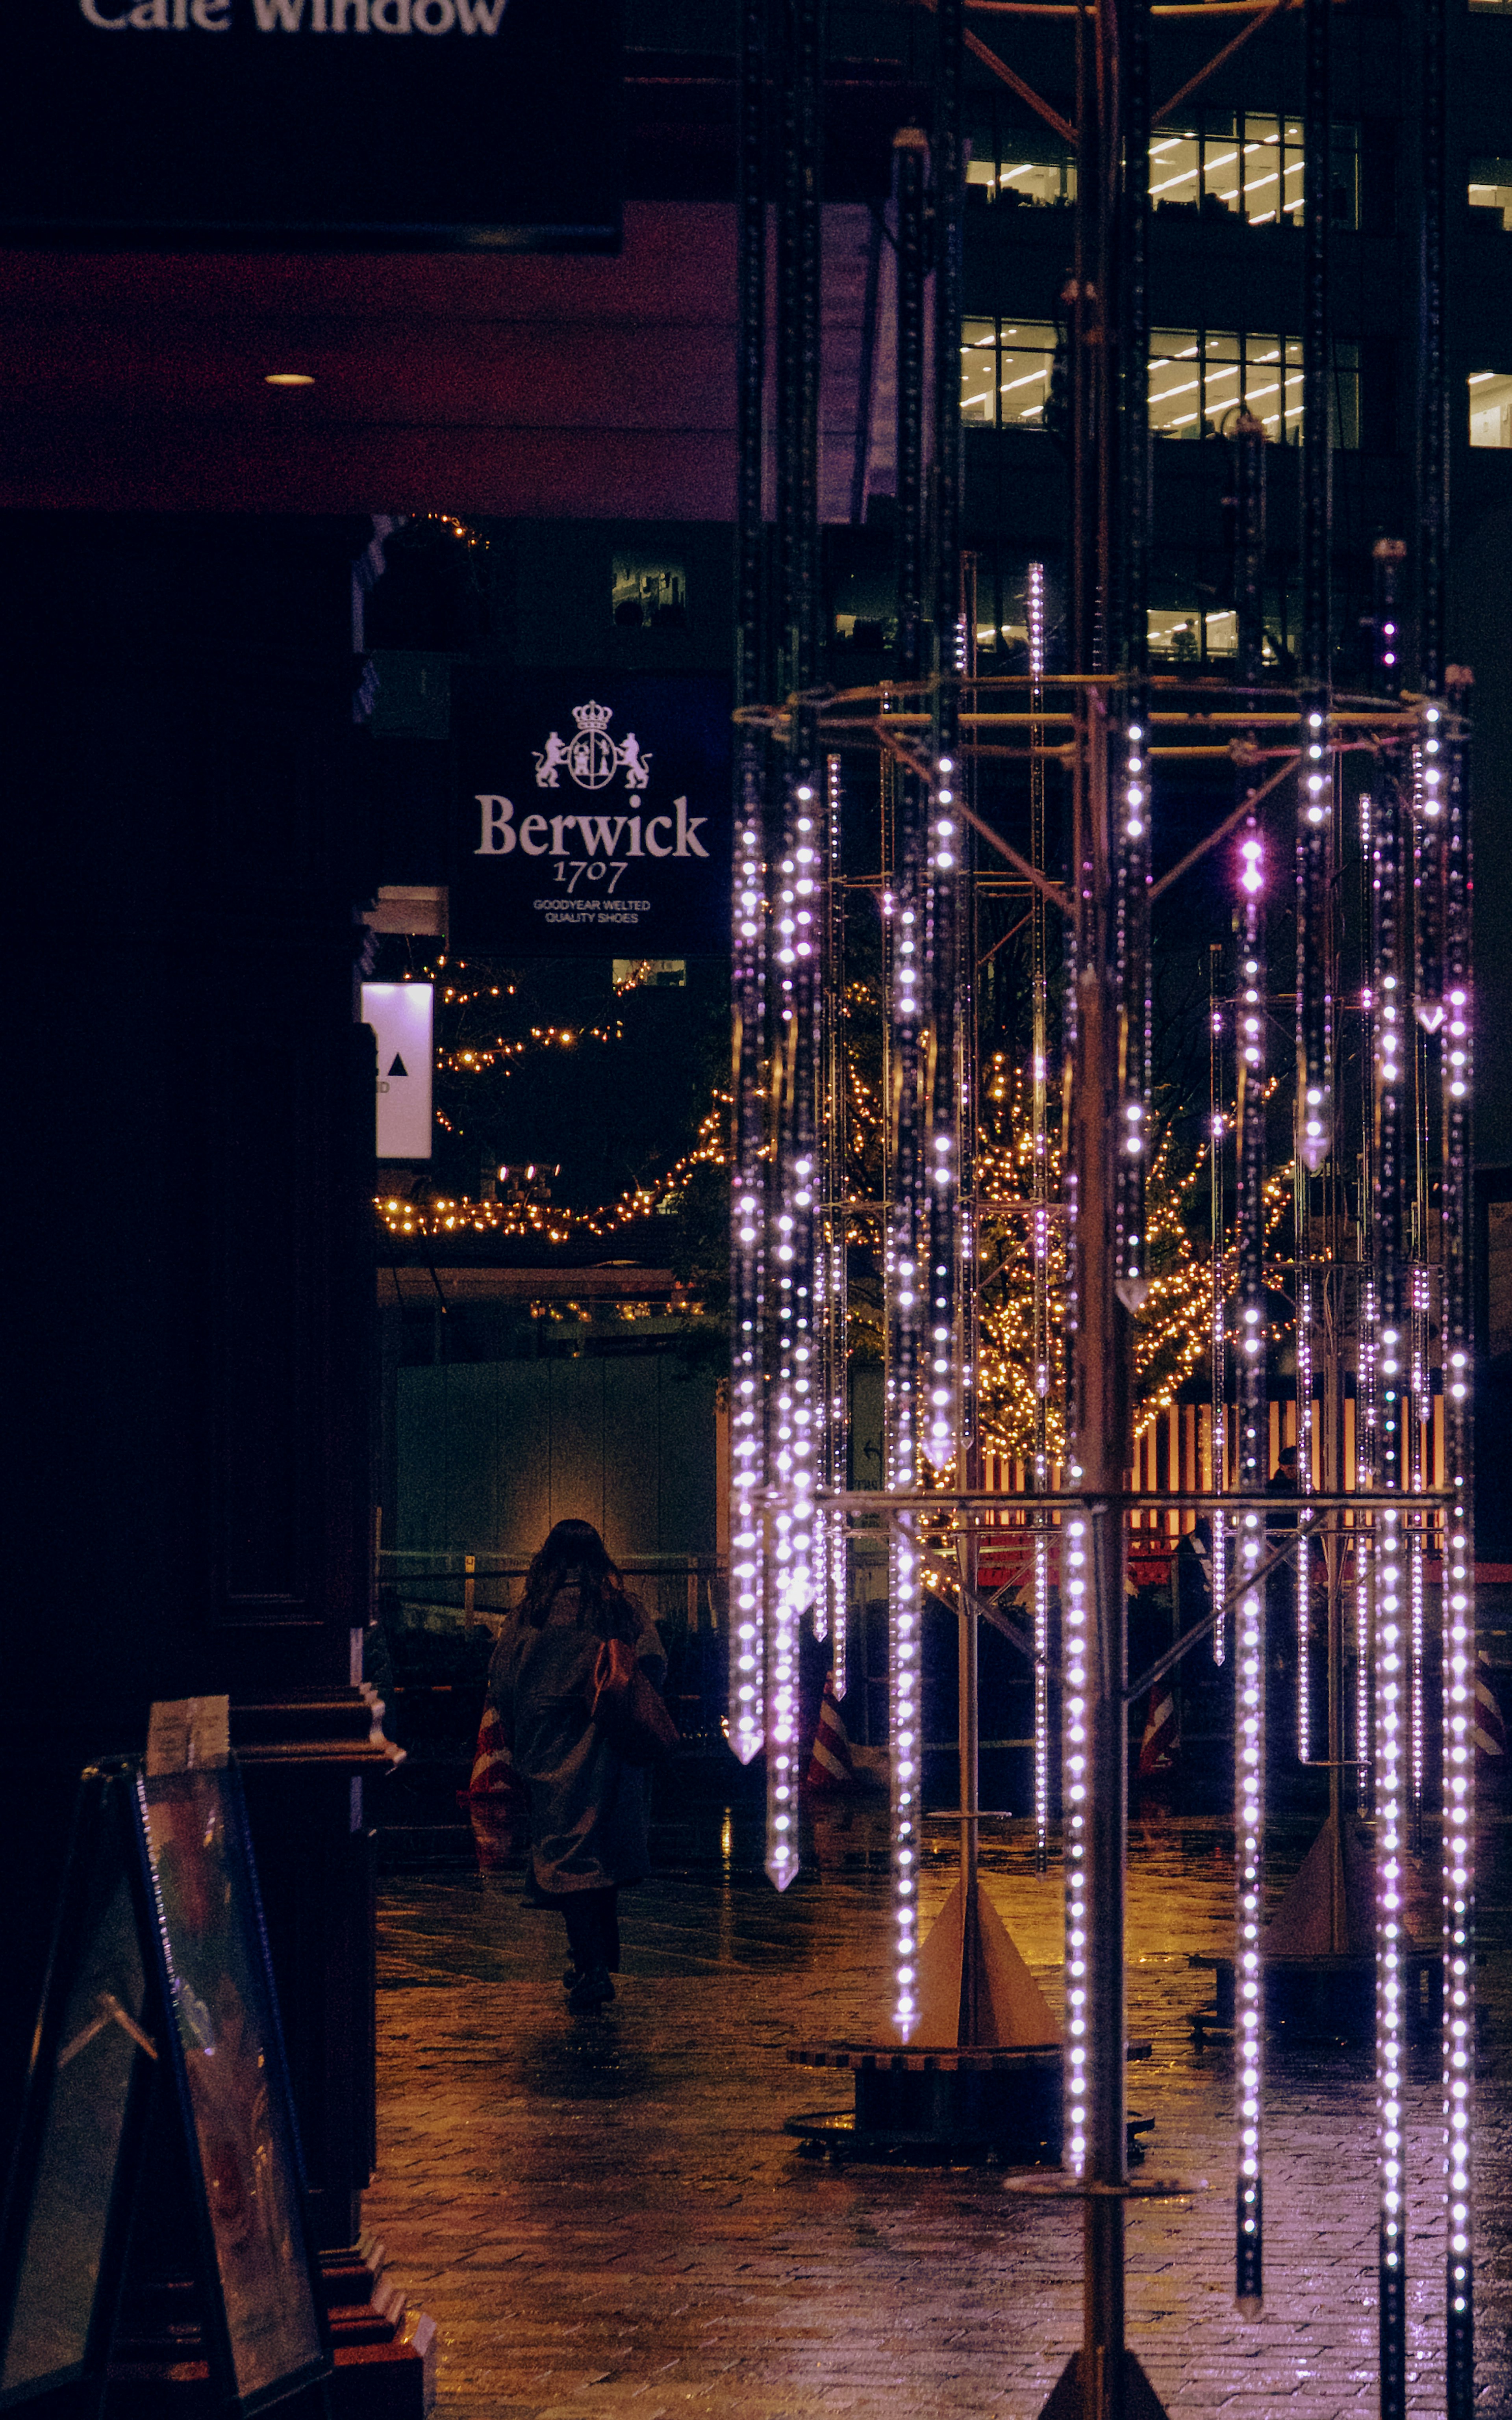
x,y
1076,1712
832,1606
1217,1322
1301,1577
796,1274
747,1203
1132,827
1420,1408
1249,1660
1390,1793
907,1743
1249,1820
1040,1213
1315,1002
941,1170
1459,1614
1389,1610
1367,1474
907,1317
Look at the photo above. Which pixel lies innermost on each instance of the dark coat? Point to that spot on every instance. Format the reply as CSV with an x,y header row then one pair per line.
x,y
587,1806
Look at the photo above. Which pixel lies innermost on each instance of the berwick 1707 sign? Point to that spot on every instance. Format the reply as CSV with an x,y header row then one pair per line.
x,y
354,122
594,817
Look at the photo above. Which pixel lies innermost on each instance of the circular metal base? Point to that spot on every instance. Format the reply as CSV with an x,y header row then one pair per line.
x,y
834,2134
1061,2188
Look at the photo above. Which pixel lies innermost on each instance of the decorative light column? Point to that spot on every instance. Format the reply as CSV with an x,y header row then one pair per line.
x,y
1391,1610
1459,1632
1249,1661
908,1272
748,1173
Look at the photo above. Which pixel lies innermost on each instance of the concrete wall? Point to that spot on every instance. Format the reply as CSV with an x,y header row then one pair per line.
x,y
490,1454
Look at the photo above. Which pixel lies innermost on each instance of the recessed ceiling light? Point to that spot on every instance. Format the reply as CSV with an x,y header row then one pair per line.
x,y
288,377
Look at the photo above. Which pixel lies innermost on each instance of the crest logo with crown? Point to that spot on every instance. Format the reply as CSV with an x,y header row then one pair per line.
x,y
592,755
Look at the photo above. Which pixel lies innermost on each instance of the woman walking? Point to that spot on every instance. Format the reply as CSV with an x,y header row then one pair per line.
x,y
587,1806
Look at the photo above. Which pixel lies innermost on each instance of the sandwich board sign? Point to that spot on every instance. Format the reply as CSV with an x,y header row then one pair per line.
x,y
159,2007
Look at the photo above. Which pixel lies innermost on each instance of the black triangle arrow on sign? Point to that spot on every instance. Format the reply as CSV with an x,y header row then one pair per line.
x,y
398,1067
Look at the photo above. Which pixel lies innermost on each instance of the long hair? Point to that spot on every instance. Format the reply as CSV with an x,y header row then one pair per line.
x,y
575,1555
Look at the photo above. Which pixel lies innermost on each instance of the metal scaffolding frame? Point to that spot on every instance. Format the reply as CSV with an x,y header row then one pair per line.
x,y
1384,1309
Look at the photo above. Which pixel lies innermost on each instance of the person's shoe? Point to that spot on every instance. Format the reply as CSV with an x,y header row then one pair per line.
x,y
590,1991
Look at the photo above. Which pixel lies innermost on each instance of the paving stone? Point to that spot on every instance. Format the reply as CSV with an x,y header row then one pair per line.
x,y
607,2222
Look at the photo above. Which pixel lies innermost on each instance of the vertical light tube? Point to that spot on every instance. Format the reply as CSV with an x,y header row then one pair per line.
x,y
747,1190
834,1293
1039,1210
796,1577
1075,1630
1249,1674
1314,1007
795,1258
1218,1350
909,1284
1390,1613
1367,1474
1302,1570
1459,1632
1419,1407
747,1420
1366,1376
1390,1793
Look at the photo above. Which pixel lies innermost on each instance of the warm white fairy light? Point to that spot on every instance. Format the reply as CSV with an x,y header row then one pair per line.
x,y
1076,1612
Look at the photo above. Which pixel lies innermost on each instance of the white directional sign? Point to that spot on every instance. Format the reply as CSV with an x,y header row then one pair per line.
x,y
402,1015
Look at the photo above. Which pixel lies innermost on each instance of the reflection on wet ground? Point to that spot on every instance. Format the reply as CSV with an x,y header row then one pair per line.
x,y
605,2216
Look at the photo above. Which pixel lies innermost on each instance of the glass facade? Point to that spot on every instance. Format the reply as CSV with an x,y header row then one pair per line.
x,y
1245,164
1198,379
1005,372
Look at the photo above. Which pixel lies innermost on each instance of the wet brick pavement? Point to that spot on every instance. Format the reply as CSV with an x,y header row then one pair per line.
x,y
607,2222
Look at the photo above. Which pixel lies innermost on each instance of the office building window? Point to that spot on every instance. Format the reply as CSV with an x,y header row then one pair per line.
x,y
1033,169
1248,165
1005,372
1493,8
1199,376
1490,409
1244,164
1491,188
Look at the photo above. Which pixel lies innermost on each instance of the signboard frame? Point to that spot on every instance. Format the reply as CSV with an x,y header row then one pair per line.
x,y
314,125
179,1841
592,815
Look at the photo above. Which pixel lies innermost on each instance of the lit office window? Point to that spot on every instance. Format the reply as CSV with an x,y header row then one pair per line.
x,y
1490,409
1035,170
1244,163
1491,188
1198,377
1005,372
1248,165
